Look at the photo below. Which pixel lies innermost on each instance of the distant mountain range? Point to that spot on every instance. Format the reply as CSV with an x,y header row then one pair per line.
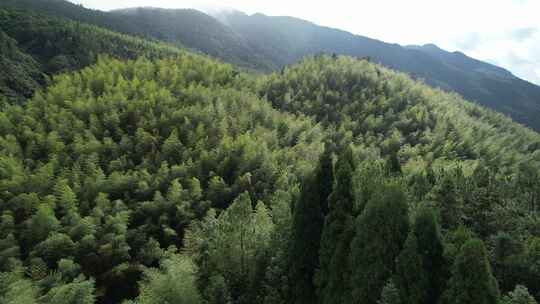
x,y
264,43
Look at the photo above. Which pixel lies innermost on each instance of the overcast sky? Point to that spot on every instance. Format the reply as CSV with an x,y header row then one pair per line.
x,y
503,32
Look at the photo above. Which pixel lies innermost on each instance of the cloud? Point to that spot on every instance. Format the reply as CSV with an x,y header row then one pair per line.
x,y
469,41
523,33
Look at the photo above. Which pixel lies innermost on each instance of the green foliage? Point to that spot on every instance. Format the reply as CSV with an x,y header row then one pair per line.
x,y
14,288
337,234
472,280
235,245
381,231
430,248
411,278
308,222
115,166
35,46
130,154
520,295
174,282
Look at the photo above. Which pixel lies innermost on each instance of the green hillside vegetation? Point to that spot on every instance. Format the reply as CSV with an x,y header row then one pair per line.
x,y
35,47
135,172
105,170
170,180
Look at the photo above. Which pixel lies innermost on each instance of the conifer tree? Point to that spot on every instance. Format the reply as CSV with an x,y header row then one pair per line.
x,y
335,241
411,279
472,280
308,221
444,194
431,250
381,231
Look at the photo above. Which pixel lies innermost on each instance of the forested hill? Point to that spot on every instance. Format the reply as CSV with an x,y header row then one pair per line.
x,y
35,47
182,27
145,174
265,43
184,181
285,40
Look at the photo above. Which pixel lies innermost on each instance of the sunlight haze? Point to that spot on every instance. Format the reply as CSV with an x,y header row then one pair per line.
x,y
480,29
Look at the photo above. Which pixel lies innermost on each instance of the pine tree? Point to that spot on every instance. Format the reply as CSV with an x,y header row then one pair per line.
x,y
308,221
472,281
381,231
335,240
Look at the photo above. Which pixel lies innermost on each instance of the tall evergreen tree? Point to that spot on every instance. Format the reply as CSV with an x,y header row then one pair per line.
x,y
431,249
472,281
411,279
444,194
381,231
335,241
307,224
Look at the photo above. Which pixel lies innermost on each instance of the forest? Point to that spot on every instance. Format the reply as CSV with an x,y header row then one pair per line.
x,y
135,172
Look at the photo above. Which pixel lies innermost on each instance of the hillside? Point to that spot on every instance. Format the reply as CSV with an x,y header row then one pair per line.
x,y
285,40
265,43
135,172
195,30
115,169
36,47
106,169
182,27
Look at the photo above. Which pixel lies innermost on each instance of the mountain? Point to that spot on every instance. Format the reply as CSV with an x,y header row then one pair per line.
x,y
285,40
183,27
158,175
264,43
138,179
36,47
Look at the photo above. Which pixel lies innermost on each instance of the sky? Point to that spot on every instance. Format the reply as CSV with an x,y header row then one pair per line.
x,y
503,32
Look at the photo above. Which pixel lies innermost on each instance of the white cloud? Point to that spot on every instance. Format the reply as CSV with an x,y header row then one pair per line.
x,y
502,31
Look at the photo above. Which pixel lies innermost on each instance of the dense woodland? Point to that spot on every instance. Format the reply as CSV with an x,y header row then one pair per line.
x,y
155,175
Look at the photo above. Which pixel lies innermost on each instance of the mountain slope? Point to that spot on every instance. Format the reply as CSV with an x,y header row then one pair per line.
x,y
182,27
264,43
114,169
36,46
194,30
286,40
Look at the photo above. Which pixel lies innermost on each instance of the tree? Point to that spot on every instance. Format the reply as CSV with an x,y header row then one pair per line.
x,y
235,245
15,288
520,295
381,231
79,291
335,240
308,221
174,282
471,280
431,250
390,294
411,278
445,196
